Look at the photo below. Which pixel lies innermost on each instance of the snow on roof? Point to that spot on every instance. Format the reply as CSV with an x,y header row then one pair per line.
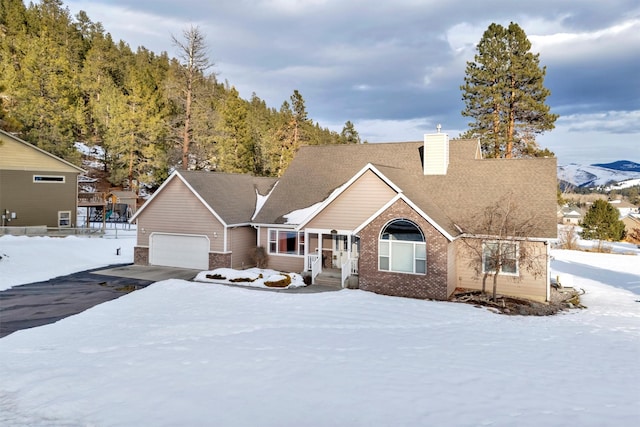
x,y
261,200
297,216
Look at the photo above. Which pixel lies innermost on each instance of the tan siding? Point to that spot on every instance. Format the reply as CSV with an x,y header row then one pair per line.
x,y
356,204
17,156
288,264
37,203
526,286
242,242
177,210
451,268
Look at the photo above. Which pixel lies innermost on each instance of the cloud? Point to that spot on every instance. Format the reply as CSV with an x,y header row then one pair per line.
x,y
395,68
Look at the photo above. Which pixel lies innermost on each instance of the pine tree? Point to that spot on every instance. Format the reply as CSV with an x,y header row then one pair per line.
x,y
349,134
195,62
505,95
236,153
601,222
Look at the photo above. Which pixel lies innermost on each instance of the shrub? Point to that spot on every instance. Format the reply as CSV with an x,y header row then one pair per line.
x,y
283,282
260,257
216,276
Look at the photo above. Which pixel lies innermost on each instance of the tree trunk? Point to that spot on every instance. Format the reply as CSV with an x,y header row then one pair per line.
x,y
495,285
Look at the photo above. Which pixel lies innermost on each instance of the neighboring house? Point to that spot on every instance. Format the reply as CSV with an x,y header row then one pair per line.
x,y
390,218
570,215
631,223
36,187
625,208
200,220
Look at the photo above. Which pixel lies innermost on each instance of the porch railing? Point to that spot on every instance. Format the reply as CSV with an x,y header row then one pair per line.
x,y
316,266
346,272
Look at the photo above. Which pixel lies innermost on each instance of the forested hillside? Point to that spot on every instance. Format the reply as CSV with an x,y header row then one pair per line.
x,y
63,79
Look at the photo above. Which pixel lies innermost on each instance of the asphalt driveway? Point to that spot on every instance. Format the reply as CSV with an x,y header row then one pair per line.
x,y
37,304
41,303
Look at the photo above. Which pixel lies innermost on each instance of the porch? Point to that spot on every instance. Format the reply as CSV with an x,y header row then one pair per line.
x,y
331,257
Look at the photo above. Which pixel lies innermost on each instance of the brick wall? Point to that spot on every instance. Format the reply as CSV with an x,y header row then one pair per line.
x,y
141,255
218,260
432,285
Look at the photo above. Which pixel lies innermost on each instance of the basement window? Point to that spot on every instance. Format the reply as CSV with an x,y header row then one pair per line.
x,y
64,219
49,178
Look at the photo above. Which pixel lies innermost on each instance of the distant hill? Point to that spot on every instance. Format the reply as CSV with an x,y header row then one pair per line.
x,y
576,175
620,165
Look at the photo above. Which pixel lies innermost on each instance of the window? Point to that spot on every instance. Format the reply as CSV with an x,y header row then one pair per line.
x,y
402,248
503,255
49,178
64,218
286,242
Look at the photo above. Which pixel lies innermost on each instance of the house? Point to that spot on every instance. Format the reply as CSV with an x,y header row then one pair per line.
x,y
624,208
631,224
36,187
200,220
570,215
392,218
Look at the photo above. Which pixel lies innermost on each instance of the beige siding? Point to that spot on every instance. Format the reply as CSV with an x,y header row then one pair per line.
x,y
38,203
177,210
15,155
356,204
451,268
242,242
527,285
288,264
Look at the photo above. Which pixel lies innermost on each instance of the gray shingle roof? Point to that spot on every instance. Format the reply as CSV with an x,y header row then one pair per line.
x,y
470,185
232,196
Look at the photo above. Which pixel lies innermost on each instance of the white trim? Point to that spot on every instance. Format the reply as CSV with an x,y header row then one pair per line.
x,y
59,218
195,193
500,242
338,191
413,206
277,253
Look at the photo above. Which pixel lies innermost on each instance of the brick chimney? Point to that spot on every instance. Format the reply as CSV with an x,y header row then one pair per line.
x,y
436,153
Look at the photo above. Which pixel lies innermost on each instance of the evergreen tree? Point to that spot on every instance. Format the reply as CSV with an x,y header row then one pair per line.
x,y
195,62
601,222
505,95
349,134
236,146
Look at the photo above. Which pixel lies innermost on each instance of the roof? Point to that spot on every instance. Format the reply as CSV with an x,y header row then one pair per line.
x,y
21,163
232,197
470,185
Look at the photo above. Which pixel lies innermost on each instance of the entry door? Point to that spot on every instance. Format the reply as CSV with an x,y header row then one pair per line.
x,y
340,250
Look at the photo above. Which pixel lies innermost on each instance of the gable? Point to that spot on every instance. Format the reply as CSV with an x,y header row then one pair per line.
x,y
355,204
16,154
177,210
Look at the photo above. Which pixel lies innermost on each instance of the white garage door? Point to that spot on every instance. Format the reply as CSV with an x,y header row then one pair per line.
x,y
179,250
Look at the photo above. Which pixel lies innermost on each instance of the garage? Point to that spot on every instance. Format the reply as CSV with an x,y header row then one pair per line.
x,y
179,250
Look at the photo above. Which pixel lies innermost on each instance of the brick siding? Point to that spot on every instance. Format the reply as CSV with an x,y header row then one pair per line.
x,y
432,285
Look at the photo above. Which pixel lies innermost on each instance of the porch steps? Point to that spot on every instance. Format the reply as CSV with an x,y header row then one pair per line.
x,y
328,278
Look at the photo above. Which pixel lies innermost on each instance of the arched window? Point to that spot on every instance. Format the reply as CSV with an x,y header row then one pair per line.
x,y
402,248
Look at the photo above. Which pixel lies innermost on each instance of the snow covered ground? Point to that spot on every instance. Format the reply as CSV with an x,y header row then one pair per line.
x,y
199,354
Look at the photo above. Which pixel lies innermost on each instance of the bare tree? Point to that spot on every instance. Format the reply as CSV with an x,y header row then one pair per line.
x,y
192,52
497,242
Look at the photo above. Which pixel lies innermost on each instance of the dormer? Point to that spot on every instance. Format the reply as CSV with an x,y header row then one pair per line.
x,y
436,153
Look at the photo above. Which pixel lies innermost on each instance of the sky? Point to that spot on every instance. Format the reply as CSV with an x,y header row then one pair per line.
x,y
197,354
395,69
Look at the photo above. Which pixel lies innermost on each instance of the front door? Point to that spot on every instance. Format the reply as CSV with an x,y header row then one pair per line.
x,y
340,250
